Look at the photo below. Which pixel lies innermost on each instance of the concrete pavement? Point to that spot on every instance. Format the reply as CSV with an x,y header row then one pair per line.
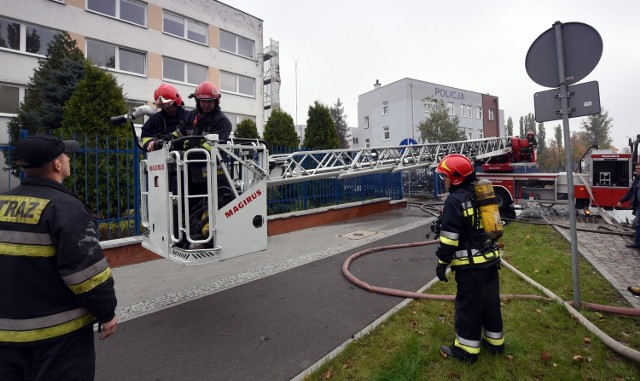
x,y
147,287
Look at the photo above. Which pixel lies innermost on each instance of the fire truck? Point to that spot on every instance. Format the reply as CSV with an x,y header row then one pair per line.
x,y
237,225
602,179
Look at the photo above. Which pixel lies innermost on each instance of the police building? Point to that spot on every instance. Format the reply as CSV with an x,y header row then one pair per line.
x,y
390,114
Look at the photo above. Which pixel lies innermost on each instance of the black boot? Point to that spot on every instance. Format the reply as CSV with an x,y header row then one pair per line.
x,y
458,354
493,349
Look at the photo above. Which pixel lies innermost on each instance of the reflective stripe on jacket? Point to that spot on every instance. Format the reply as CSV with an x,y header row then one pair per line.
x,y
459,226
54,278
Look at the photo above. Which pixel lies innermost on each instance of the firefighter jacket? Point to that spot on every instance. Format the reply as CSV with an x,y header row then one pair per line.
x,y
160,125
463,242
196,123
632,194
54,278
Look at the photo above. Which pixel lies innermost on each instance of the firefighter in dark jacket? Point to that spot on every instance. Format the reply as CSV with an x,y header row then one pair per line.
x,y
162,124
633,195
55,282
475,259
207,118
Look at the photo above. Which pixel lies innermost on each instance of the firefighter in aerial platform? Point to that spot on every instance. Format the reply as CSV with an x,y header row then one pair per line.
x,y
529,152
207,118
160,125
474,257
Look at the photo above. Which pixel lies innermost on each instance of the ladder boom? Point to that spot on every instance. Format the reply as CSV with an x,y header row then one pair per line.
x,y
342,163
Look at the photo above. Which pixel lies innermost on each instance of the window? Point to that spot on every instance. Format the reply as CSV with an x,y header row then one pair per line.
x,y
237,118
126,10
132,105
9,99
465,111
117,58
354,141
429,105
238,84
366,122
491,117
182,71
24,37
480,134
470,133
479,113
450,108
235,44
385,108
367,144
186,28
385,131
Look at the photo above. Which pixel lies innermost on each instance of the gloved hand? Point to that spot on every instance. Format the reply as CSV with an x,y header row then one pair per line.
x,y
441,272
157,144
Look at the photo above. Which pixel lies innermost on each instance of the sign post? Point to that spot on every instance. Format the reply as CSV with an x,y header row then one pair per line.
x,y
577,48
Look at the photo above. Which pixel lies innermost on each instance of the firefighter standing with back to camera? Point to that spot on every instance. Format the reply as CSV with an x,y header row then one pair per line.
x,y
54,279
475,259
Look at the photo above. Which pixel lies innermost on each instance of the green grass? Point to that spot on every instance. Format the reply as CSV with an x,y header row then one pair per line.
x,y
543,342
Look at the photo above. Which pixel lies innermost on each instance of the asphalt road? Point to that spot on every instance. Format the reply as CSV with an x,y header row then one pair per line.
x,y
269,329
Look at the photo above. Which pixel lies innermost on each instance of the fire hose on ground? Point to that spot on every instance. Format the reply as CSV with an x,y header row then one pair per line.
x,y
625,351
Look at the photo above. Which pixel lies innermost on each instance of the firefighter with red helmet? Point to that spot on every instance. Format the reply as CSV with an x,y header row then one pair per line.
x,y
475,259
206,119
162,124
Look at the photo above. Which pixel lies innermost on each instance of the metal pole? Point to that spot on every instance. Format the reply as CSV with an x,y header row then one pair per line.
x,y
564,110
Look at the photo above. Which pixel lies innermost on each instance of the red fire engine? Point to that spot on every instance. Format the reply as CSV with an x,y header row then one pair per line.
x,y
602,179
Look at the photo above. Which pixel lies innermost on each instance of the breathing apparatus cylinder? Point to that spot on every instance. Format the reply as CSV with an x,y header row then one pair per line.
x,y
488,208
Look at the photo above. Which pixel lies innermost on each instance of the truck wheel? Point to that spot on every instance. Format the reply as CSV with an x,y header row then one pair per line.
x,y
503,199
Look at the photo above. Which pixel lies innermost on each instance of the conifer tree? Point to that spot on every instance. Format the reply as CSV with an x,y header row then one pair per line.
x,y
340,120
246,129
52,84
321,132
280,131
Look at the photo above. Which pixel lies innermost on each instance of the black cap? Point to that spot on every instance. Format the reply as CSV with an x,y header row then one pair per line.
x,y
38,150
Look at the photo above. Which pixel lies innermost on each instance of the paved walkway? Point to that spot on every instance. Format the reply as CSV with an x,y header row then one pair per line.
x,y
150,286
607,253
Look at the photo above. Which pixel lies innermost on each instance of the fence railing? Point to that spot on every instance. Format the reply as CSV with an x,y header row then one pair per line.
x,y
105,173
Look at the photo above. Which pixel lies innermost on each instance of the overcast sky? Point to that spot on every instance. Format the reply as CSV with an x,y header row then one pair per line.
x,y
342,47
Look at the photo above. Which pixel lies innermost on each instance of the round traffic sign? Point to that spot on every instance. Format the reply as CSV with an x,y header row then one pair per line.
x,y
582,47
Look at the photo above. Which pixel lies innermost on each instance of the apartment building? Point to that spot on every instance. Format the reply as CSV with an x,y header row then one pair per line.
x,y
390,114
142,43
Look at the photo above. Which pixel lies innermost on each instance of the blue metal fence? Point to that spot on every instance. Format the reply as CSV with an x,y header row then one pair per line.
x,y
105,175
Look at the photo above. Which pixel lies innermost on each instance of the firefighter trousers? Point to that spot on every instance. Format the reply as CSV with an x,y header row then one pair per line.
x,y
477,314
69,358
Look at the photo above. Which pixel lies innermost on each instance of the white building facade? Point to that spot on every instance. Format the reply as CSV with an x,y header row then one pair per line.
x,y
143,44
390,114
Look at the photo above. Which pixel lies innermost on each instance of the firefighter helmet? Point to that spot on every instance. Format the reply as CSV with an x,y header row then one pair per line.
x,y
530,133
165,94
456,167
206,91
